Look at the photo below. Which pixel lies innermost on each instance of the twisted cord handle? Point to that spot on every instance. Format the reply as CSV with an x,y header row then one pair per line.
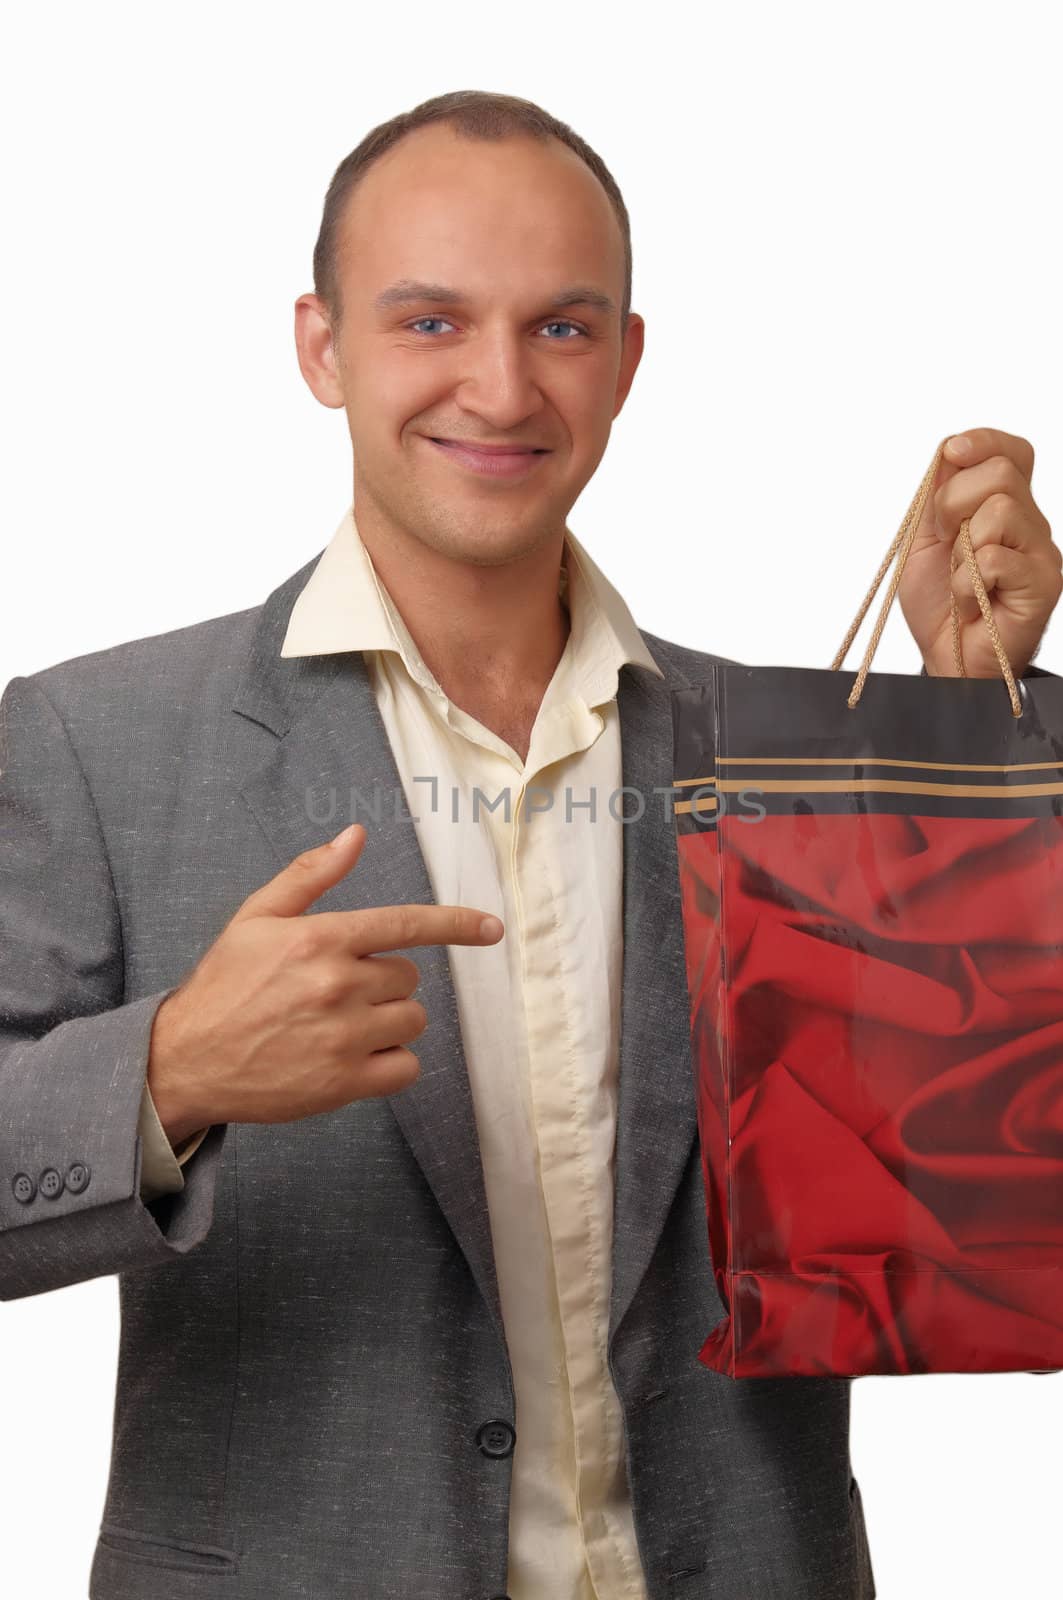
x,y
899,549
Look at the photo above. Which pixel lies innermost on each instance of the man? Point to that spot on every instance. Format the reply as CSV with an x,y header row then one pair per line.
x,y
394,1322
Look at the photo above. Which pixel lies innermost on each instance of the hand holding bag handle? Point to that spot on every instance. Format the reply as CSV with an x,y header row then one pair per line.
x,y
901,545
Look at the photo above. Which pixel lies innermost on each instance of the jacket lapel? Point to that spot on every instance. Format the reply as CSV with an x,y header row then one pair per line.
x,y
656,1111
331,741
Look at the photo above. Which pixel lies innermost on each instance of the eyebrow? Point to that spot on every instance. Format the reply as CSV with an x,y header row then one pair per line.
x,y
408,290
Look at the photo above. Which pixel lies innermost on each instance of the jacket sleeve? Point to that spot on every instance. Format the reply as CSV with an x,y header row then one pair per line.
x,y
73,1053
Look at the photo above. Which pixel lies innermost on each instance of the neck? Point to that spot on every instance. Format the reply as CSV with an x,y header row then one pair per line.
x,y
490,635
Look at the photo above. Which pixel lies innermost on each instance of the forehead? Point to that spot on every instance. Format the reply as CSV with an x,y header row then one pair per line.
x,y
438,205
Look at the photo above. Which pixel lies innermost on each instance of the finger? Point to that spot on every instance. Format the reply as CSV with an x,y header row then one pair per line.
x,y
385,1072
1006,574
390,1023
305,878
998,479
408,927
999,521
389,977
370,980
974,445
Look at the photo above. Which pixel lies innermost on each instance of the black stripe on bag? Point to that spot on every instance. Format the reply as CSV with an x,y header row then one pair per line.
x,y
912,746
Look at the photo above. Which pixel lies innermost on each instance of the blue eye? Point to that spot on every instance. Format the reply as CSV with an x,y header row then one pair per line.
x,y
427,319
563,323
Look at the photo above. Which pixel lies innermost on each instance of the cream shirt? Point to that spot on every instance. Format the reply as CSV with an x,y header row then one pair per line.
x,y
540,1020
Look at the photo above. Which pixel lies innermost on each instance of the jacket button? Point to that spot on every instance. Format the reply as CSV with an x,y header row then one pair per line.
x,y
77,1177
24,1188
51,1183
496,1438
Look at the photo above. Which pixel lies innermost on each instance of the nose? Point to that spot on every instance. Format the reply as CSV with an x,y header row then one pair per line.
x,y
498,378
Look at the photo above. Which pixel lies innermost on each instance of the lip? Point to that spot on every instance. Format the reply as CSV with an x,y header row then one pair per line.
x,y
491,461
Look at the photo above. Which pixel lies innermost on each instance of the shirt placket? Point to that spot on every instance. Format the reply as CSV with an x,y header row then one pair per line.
x,y
558,1103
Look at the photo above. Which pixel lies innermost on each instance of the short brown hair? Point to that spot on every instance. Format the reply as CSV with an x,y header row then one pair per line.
x,y
474,114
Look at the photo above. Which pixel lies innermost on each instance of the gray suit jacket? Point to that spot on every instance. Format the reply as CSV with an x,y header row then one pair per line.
x,y
311,1337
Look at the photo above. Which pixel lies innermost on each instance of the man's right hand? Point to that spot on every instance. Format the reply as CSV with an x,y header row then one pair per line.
x,y
286,1016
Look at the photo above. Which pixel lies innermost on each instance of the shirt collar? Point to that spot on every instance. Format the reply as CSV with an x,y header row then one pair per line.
x,y
345,606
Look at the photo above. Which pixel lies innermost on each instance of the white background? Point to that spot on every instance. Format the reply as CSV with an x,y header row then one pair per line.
x,y
845,243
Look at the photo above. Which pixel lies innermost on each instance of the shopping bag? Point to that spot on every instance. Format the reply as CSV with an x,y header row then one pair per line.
x,y
871,884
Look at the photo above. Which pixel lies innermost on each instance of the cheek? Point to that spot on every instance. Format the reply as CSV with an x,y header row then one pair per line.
x,y
588,399
590,420
394,396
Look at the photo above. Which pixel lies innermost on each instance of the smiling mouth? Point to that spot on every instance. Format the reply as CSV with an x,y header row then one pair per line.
x,y
490,463
493,449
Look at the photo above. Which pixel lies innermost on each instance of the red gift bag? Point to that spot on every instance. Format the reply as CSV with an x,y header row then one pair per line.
x,y
872,903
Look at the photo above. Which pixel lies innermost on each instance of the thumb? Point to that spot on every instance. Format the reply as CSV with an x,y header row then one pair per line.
x,y
306,877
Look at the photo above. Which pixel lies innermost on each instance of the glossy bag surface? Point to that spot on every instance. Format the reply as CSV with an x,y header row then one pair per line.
x,y
872,903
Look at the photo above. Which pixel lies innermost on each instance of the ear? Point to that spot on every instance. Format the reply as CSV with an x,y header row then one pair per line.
x,y
630,356
315,348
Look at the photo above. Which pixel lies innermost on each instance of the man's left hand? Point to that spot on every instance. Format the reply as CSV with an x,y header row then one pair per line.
x,y
984,474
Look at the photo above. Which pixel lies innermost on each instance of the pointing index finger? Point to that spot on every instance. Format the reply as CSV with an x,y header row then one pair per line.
x,y
380,928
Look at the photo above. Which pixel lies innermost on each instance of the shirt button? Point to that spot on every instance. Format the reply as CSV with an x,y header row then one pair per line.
x,y
496,1438
51,1183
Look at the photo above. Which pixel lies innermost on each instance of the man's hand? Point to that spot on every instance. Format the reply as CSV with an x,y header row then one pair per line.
x,y
985,475
287,1015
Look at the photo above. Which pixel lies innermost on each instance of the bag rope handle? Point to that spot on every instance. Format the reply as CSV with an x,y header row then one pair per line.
x,y
899,548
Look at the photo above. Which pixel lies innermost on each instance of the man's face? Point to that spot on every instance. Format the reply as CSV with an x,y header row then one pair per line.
x,y
505,227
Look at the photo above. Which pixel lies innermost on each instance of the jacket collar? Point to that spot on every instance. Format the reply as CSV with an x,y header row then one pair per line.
x,y
344,606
